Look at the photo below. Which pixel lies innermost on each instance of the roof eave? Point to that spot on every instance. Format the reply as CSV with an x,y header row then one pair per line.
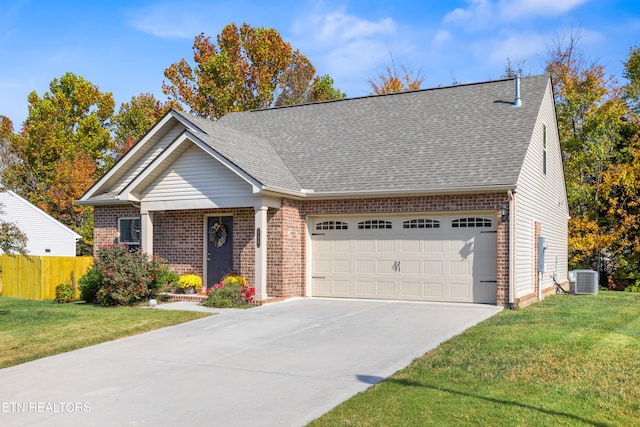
x,y
311,194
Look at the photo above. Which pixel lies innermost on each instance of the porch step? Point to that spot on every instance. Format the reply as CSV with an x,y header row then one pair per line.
x,y
185,297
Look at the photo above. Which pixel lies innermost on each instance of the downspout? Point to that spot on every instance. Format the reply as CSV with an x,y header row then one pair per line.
x,y
512,247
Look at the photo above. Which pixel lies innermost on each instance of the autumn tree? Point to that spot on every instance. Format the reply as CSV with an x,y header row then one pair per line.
x,y
394,81
64,146
621,185
590,113
247,68
135,118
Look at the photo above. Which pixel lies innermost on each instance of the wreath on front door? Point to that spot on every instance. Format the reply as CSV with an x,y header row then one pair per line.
x,y
218,234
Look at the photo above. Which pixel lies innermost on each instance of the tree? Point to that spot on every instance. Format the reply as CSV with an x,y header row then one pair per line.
x,y
247,68
391,81
135,118
513,69
590,113
64,146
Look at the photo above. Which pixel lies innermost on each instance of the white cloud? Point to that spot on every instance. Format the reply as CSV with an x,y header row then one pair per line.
x,y
441,36
167,21
526,46
347,47
516,9
483,13
477,15
339,26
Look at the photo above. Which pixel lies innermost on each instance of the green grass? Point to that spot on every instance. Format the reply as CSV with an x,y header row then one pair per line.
x,y
30,330
569,360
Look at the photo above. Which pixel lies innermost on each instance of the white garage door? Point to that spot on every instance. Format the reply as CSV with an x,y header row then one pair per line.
x,y
434,258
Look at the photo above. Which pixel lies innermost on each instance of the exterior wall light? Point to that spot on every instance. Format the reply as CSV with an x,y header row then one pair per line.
x,y
503,213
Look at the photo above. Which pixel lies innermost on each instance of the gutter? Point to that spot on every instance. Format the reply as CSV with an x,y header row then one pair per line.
x,y
512,246
311,194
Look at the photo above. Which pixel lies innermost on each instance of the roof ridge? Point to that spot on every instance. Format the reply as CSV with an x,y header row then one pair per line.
x,y
440,87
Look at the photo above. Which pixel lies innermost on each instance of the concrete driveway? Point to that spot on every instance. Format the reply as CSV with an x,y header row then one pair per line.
x,y
282,364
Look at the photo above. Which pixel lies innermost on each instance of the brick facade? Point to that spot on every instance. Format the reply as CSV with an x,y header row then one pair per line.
x,y
179,235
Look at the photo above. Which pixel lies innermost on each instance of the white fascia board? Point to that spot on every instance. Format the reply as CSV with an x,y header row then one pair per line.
x,y
184,138
124,160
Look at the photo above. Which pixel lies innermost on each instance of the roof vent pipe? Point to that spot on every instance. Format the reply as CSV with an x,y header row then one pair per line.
x,y
518,101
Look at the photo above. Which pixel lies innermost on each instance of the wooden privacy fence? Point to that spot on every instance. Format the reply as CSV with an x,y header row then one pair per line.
x,y
36,277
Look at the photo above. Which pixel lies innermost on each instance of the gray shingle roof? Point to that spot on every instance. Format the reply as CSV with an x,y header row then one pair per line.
x,y
438,139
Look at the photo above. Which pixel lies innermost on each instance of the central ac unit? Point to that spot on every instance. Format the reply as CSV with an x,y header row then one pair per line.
x,y
583,282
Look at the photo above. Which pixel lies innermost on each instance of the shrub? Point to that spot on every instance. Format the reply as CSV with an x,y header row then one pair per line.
x,y
65,293
89,285
190,280
231,292
121,276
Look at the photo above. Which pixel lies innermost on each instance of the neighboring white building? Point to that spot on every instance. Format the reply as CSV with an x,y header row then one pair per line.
x,y
47,236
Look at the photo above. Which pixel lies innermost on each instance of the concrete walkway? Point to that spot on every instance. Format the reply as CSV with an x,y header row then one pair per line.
x,y
282,364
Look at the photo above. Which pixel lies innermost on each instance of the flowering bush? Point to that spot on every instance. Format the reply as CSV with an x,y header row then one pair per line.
x,y
232,291
190,280
121,276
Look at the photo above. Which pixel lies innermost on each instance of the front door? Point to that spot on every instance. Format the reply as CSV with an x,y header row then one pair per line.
x,y
219,248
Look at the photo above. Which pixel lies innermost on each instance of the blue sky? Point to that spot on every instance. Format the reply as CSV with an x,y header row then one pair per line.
x,y
125,46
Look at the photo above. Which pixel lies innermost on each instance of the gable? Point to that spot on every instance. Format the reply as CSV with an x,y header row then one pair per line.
x,y
197,178
47,236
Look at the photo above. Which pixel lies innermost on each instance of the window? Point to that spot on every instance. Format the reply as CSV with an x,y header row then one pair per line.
x,y
332,225
372,224
129,230
470,223
421,223
544,149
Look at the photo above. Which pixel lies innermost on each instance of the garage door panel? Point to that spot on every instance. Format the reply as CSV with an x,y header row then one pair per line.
x,y
365,288
459,268
322,286
385,289
341,266
460,290
411,246
341,246
433,246
432,267
365,266
385,246
365,246
342,287
411,289
322,266
433,290
410,267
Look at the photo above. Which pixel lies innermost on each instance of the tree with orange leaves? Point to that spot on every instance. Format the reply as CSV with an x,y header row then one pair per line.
x,y
247,68
64,146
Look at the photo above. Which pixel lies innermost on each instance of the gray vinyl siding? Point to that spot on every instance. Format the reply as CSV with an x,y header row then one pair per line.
x,y
541,198
195,175
150,155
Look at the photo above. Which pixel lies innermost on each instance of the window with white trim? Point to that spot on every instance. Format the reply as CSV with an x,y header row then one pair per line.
x,y
332,225
421,223
129,230
374,224
471,223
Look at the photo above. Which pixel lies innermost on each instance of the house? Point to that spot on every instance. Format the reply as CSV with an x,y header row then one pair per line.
x,y
46,236
432,195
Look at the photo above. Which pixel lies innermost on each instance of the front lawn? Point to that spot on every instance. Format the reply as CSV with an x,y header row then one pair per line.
x,y
569,360
30,330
